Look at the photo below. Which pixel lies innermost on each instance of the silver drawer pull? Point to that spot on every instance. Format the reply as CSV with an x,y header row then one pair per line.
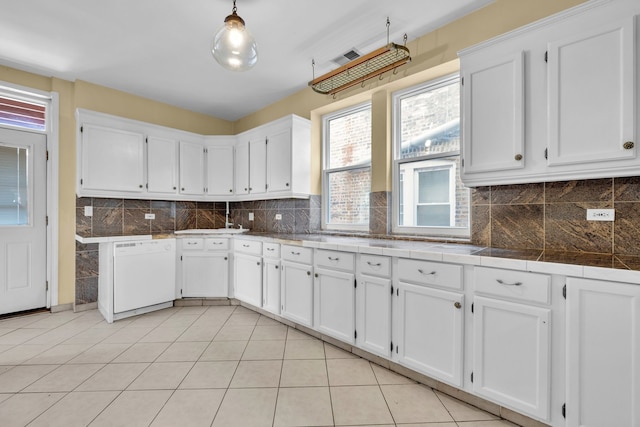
x,y
217,243
295,253
377,264
509,284
192,243
333,259
271,249
433,273
245,246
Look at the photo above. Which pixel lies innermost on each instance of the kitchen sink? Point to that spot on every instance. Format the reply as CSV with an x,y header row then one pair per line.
x,y
213,231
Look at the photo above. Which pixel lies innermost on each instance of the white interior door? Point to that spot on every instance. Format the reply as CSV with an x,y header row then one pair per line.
x,y
23,229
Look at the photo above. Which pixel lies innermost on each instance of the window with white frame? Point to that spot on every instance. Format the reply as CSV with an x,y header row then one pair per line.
x,y
429,197
347,168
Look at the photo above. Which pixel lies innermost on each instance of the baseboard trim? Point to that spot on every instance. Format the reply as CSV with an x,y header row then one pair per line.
x,y
63,307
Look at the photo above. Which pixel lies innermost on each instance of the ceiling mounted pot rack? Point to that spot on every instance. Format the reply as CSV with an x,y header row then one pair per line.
x,y
376,63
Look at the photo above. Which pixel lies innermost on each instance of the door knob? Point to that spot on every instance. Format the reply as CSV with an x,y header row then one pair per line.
x,y
628,145
457,304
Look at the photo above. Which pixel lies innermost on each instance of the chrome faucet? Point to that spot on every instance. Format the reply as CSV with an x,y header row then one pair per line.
x,y
227,224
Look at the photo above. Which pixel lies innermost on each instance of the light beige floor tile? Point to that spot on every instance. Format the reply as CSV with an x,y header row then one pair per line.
x,y
164,334
264,350
386,377
192,408
359,405
224,350
53,320
198,332
276,332
4,331
494,423
210,375
76,409
20,409
304,349
242,310
21,353
133,408
234,333
5,368
59,354
53,337
257,373
294,334
147,321
100,353
162,376
266,321
303,407
301,373
20,377
350,372
461,411
180,320
333,352
247,407
219,311
20,336
116,376
65,378
142,352
91,336
5,347
426,425
193,310
4,397
414,403
21,321
183,352
127,335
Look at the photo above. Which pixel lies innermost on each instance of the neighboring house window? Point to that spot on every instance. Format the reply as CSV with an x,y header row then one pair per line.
x,y
19,113
347,168
429,197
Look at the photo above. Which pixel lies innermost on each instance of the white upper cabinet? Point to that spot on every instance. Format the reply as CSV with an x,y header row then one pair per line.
x,y
162,165
493,87
554,100
241,168
279,160
591,98
220,167
111,160
258,165
191,168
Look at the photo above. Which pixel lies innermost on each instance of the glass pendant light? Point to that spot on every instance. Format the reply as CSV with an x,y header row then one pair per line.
x,y
233,45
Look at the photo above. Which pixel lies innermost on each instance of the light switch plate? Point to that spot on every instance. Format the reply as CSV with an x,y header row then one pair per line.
x,y
278,217
150,216
88,211
250,216
601,214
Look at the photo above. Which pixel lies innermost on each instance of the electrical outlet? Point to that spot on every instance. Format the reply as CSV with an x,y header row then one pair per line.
x,y
149,216
601,214
278,217
88,211
250,216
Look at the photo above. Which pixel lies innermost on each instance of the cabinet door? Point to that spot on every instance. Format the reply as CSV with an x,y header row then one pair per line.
x,y
493,115
271,285
162,165
590,94
191,168
511,355
334,304
603,353
241,170
112,159
220,170
373,314
430,326
205,274
279,161
257,166
248,279
296,293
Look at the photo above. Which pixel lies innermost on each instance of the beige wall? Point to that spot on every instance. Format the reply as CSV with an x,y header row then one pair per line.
x,y
433,55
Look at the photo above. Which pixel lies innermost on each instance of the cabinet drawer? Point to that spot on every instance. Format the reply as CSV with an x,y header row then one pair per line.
x,y
335,260
430,273
192,243
252,247
374,265
271,250
216,244
297,254
513,284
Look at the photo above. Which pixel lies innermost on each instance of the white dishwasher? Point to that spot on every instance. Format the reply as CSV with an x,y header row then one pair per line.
x,y
144,274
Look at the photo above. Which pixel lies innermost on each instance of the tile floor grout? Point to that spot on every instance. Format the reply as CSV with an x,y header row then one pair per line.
x,y
184,336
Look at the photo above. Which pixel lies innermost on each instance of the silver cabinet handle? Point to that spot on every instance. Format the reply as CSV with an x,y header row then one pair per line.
x,y
333,259
245,246
433,273
295,253
217,243
377,264
509,284
271,249
192,243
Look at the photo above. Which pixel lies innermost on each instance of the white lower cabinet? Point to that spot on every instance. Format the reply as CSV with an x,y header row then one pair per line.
x,y
334,304
203,269
428,332
296,291
603,353
271,277
248,279
373,304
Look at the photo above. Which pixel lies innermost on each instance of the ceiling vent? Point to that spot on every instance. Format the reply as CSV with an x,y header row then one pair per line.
x,y
346,57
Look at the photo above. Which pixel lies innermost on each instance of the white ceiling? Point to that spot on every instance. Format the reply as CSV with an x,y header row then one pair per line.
x,y
161,49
